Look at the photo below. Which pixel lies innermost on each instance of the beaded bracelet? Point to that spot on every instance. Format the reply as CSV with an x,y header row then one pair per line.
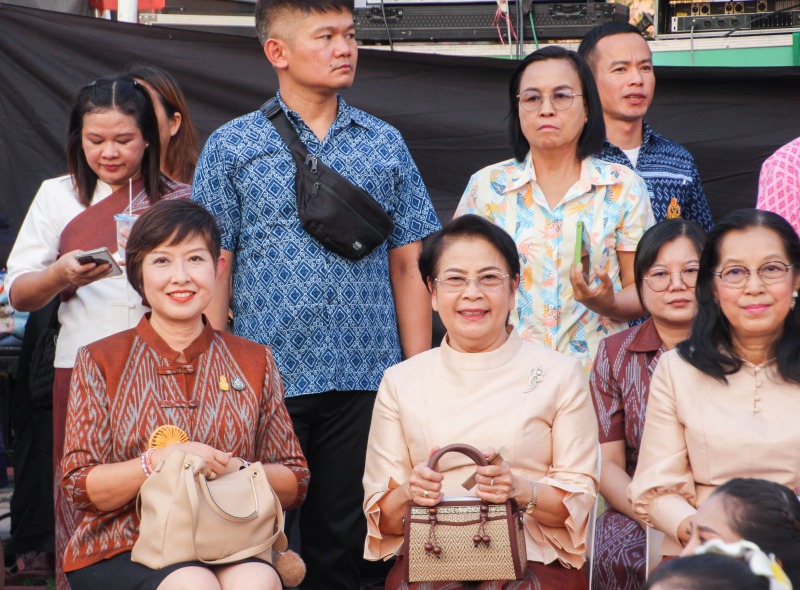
x,y
144,464
534,497
147,457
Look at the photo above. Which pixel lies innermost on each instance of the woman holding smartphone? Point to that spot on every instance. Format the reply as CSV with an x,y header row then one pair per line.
x,y
113,156
539,196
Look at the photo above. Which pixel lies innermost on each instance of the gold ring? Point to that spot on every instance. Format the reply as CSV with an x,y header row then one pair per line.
x,y
211,476
426,493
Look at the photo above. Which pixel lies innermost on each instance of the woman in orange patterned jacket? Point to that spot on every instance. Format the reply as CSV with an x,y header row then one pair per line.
x,y
225,392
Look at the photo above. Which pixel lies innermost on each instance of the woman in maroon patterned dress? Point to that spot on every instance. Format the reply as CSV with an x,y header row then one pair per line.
x,y
665,268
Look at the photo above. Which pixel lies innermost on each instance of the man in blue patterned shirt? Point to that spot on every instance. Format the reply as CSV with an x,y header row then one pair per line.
x,y
334,324
622,65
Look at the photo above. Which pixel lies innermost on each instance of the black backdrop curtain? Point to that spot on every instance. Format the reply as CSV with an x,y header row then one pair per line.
x,y
451,110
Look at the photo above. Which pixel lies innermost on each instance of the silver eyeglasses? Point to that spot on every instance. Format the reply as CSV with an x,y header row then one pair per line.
x,y
560,99
658,280
769,272
485,282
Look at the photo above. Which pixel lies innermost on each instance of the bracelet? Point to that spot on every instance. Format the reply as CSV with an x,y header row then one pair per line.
x,y
534,497
245,464
148,456
144,465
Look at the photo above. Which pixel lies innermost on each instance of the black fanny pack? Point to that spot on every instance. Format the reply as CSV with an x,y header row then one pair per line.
x,y
340,215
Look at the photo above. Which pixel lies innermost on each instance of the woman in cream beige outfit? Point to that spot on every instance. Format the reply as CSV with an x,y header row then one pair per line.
x,y
725,403
485,387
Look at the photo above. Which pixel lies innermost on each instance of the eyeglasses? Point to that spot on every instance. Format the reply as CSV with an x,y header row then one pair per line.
x,y
532,101
769,272
485,282
659,280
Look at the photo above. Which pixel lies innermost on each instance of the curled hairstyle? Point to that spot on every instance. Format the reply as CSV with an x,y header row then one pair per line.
x,y
168,222
710,346
768,514
269,12
588,47
594,131
658,236
122,93
466,227
709,571
181,156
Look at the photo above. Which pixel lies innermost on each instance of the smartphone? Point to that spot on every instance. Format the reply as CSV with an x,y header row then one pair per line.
x,y
99,256
582,247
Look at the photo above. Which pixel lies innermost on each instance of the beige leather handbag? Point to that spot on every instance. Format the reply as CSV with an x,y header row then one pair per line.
x,y
185,517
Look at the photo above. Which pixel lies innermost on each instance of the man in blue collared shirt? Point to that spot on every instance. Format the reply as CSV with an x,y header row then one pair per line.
x,y
334,324
622,65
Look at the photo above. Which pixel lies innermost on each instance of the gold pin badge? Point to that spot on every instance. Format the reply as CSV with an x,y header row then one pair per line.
x,y
673,209
223,383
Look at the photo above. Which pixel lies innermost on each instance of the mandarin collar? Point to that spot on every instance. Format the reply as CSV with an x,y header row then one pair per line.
x,y
200,345
481,361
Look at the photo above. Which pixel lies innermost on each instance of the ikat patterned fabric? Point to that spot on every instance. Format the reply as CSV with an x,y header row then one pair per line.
x,y
620,383
612,202
779,184
330,321
127,385
669,171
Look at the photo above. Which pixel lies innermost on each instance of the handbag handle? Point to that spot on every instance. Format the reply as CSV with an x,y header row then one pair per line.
x,y
189,479
203,482
464,449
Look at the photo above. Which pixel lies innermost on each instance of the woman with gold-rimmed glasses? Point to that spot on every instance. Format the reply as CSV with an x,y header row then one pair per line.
x,y
486,387
725,403
552,183
666,267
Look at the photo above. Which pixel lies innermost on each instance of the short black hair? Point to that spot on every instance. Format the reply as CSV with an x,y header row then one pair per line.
x,y
710,347
594,132
709,571
117,92
170,221
659,236
466,226
588,47
768,514
268,11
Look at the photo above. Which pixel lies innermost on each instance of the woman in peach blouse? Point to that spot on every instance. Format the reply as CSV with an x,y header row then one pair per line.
x,y
725,403
486,387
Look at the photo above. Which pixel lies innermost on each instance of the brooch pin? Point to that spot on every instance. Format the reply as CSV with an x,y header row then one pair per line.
x,y
223,383
238,384
535,377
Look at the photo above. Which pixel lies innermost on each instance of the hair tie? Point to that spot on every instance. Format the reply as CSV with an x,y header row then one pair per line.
x,y
760,563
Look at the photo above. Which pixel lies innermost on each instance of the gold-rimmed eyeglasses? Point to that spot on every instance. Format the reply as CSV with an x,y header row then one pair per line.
x,y
769,273
485,282
659,279
532,101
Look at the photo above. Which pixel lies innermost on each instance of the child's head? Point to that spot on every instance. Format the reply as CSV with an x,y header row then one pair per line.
x,y
705,572
757,510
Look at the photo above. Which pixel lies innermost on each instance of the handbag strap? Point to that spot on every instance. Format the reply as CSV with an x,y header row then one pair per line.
x,y
464,449
191,489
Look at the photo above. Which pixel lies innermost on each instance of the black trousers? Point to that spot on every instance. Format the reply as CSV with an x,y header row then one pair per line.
x,y
333,428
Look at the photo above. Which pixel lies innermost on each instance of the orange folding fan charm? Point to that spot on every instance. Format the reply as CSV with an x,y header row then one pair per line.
x,y
167,434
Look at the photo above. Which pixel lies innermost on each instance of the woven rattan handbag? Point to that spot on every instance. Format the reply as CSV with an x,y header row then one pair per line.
x,y
185,517
464,539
